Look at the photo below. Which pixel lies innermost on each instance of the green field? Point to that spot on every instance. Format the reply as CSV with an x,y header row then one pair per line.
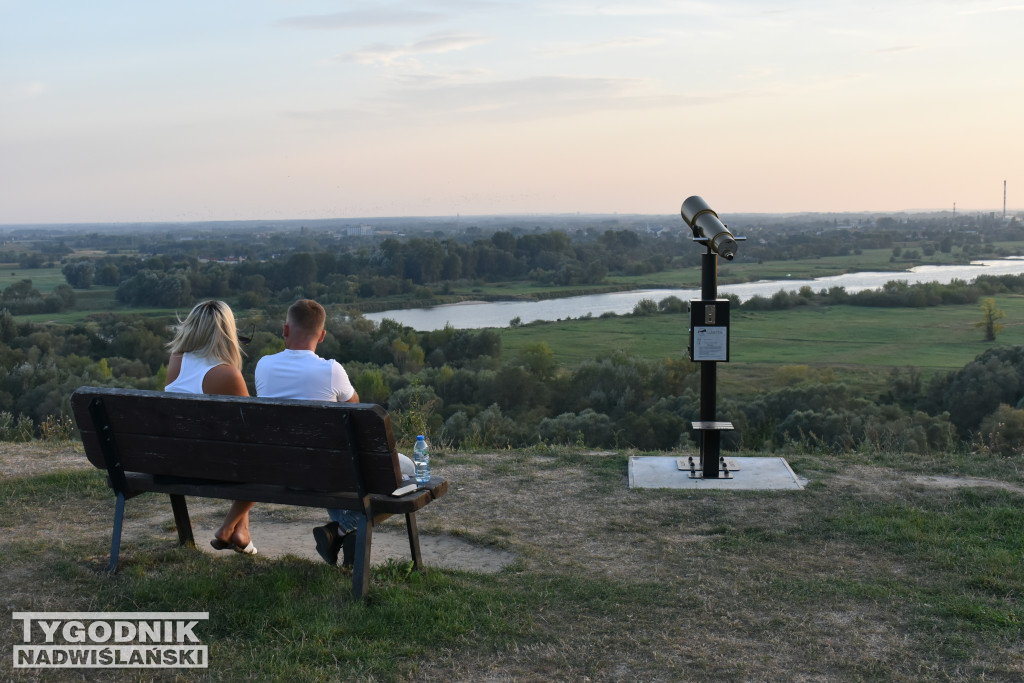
x,y
43,279
733,272
96,299
859,344
730,272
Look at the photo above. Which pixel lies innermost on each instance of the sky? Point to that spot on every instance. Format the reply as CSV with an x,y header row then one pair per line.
x,y
304,109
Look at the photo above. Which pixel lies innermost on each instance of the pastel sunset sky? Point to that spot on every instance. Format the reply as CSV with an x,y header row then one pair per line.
x,y
293,109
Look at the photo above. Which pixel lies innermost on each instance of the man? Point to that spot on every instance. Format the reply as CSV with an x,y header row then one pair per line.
x,y
297,372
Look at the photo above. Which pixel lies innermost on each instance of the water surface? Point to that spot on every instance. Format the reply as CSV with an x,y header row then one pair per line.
x,y
478,314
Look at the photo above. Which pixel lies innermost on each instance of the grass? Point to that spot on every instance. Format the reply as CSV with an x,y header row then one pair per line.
x,y
865,575
858,344
43,279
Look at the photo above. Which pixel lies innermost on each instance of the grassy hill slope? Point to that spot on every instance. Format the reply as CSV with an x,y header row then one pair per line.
x,y
896,569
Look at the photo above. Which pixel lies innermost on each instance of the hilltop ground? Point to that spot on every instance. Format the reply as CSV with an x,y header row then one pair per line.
x,y
872,572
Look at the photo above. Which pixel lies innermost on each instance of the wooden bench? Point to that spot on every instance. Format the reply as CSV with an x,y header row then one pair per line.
x,y
308,453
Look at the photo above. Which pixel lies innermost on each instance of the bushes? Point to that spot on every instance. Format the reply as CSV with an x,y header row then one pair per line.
x,y
587,428
1002,432
466,395
977,390
15,429
56,428
21,429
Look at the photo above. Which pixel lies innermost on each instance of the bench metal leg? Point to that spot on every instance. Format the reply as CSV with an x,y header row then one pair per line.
x,y
361,564
414,540
181,520
115,541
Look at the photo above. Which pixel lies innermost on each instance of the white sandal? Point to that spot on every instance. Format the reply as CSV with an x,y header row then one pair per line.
x,y
248,550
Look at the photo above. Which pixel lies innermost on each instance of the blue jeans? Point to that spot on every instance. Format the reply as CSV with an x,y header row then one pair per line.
x,y
348,520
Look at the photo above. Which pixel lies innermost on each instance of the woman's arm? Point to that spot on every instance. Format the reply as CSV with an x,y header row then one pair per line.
x,y
225,380
173,368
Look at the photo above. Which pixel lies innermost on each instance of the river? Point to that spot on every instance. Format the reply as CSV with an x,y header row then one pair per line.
x,y
478,314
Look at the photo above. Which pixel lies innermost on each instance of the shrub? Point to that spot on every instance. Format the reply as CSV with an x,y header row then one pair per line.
x,y
645,307
1002,432
57,428
585,429
414,411
672,304
11,429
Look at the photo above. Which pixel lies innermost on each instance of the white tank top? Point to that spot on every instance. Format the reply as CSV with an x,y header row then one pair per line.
x,y
193,370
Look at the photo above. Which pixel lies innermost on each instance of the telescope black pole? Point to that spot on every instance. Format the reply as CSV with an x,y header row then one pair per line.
x,y
710,438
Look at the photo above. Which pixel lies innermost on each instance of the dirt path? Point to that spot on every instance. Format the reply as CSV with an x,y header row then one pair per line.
x,y
276,530
278,538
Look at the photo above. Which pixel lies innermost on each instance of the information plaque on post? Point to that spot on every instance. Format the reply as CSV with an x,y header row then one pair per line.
x,y
709,330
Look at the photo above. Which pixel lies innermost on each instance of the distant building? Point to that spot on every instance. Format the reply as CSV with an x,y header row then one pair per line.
x,y
231,260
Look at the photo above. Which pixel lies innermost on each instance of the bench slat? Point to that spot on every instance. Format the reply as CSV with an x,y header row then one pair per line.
x,y
289,466
248,463
314,424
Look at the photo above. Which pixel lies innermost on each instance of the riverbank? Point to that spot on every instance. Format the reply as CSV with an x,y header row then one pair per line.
x,y
527,294
499,313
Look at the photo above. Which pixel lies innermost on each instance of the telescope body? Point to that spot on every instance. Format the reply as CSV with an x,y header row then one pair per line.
x,y
705,224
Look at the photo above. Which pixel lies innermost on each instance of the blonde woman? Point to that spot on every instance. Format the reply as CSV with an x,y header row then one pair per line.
x,y
206,359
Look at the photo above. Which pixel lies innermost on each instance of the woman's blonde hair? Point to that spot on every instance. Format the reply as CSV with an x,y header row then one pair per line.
x,y
209,331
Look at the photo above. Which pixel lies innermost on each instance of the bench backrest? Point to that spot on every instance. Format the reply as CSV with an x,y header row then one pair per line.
x,y
311,445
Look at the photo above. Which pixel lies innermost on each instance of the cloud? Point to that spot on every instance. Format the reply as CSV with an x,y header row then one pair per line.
x,y
389,55
573,49
538,97
357,19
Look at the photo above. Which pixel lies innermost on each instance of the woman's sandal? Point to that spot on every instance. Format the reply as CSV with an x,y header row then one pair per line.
x,y
225,545
247,550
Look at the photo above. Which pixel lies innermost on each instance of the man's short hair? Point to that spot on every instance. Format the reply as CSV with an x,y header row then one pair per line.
x,y
307,315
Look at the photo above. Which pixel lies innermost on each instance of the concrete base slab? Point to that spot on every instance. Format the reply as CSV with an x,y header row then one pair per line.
x,y
753,474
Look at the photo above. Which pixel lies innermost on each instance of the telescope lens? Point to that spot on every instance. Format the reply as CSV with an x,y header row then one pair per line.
x,y
705,224
724,246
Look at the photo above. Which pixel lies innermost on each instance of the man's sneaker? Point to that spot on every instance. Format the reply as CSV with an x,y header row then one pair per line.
x,y
348,544
328,542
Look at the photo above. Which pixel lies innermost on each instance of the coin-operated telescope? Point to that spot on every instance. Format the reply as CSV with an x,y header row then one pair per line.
x,y
707,227
709,332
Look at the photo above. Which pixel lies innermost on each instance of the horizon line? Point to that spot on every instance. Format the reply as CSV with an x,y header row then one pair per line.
x,y
509,215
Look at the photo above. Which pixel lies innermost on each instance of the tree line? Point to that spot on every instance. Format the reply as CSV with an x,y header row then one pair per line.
x,y
459,382
468,393
354,272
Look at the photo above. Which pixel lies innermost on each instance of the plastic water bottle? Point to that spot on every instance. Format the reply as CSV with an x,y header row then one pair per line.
x,y
421,458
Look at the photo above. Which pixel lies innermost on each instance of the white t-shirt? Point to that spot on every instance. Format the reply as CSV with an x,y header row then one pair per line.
x,y
303,375
306,376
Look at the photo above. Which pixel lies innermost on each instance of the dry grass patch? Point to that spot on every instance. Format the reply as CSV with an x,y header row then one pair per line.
x,y
871,572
